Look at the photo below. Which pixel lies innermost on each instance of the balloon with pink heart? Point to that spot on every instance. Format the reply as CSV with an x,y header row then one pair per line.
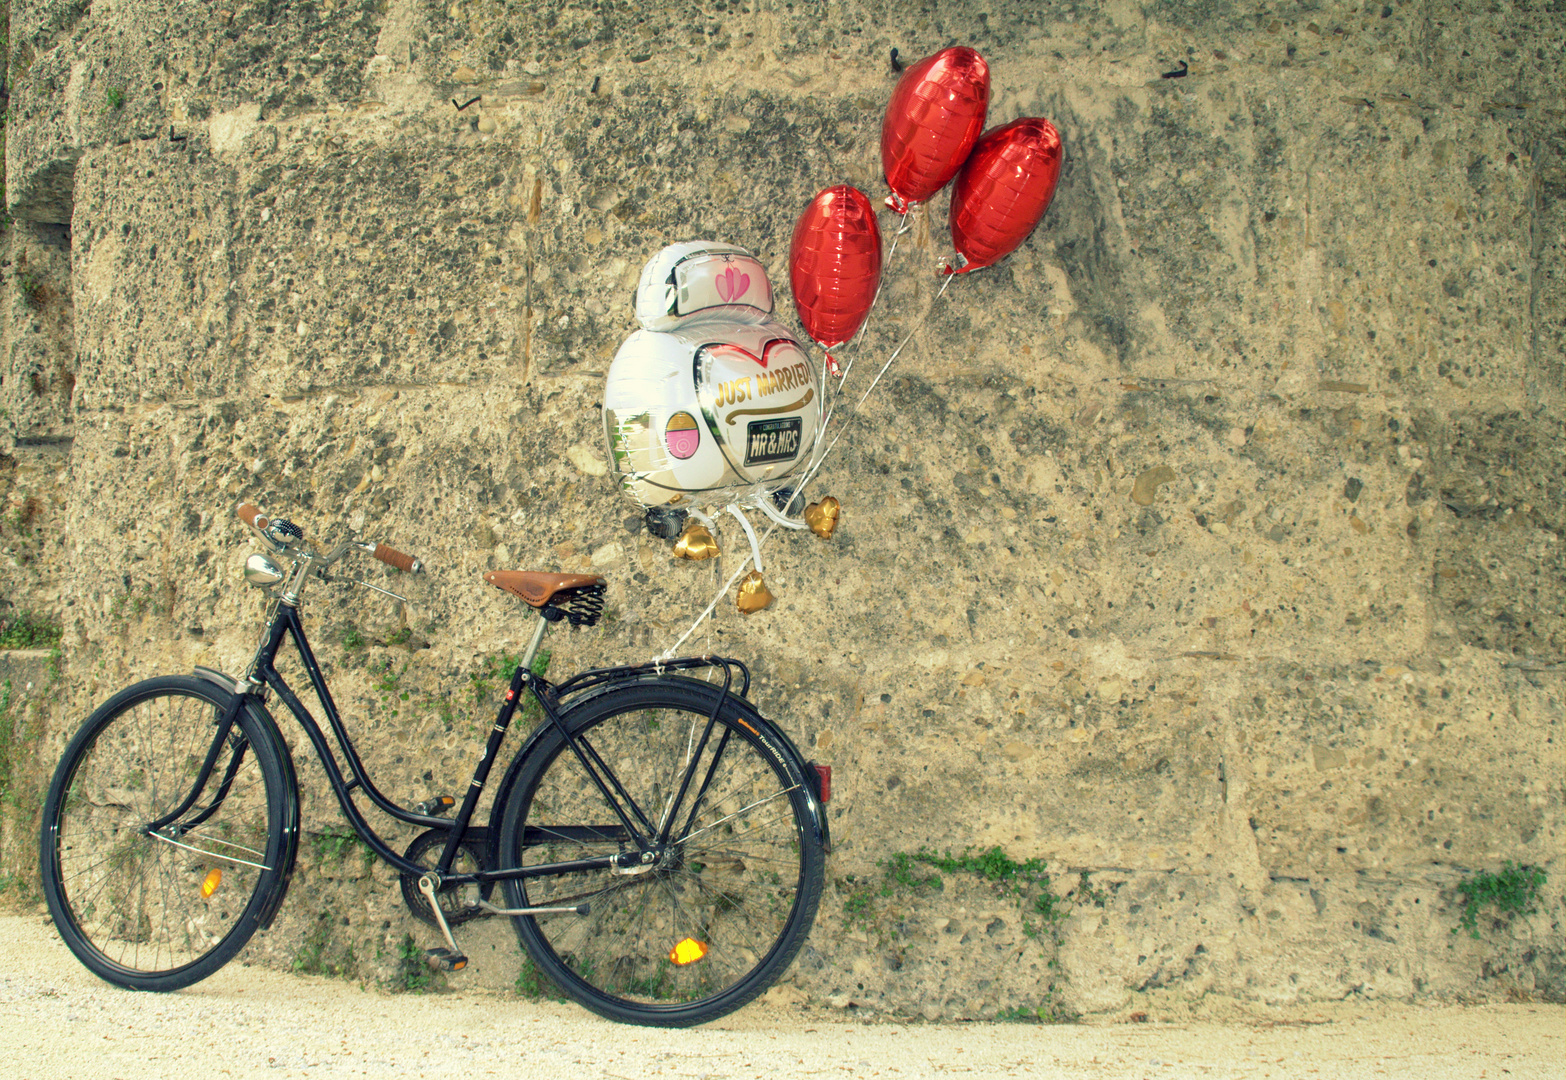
x,y
712,399
702,279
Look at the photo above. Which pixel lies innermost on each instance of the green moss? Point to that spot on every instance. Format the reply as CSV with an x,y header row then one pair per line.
x,y
1051,1011
534,985
874,904
334,845
315,955
1027,881
30,631
10,741
493,674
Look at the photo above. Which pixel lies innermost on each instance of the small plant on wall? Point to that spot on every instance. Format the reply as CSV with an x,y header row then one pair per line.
x,y
872,904
1514,890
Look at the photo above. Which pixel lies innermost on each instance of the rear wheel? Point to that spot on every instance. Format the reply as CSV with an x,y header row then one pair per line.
x,y
160,908
728,902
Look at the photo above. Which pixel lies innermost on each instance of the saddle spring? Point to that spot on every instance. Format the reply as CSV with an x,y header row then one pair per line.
x,y
582,606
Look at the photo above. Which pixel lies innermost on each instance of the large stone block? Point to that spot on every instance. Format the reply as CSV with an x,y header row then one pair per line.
x,y
1203,555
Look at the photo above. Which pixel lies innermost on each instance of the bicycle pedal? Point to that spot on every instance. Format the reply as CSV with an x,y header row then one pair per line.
x,y
436,806
445,959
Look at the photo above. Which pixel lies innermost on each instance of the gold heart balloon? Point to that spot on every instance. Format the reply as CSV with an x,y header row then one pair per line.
x,y
753,594
822,517
696,543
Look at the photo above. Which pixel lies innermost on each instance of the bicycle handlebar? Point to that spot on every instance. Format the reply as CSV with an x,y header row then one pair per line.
x,y
252,516
397,560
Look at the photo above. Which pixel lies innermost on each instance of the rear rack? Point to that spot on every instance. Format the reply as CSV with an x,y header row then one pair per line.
x,y
598,676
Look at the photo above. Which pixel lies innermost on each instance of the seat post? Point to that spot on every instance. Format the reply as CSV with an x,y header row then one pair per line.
x,y
532,646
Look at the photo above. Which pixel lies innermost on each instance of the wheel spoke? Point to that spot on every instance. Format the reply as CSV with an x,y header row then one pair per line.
x,y
708,828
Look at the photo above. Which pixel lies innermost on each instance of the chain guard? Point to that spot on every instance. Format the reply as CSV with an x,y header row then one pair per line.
x,y
425,850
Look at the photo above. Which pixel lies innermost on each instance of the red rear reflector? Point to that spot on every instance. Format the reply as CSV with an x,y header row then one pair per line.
x,y
825,772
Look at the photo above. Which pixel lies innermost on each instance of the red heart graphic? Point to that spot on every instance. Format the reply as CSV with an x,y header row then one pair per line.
x,y
724,348
727,348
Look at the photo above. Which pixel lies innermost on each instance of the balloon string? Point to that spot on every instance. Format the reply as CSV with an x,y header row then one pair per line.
x,y
854,414
764,504
668,654
755,547
750,534
819,459
902,227
864,329
899,348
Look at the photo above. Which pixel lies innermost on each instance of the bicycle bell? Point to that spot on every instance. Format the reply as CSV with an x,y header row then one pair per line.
x,y
261,571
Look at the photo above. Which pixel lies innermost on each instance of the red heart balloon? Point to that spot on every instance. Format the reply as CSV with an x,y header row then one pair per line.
x,y
1003,190
932,121
835,265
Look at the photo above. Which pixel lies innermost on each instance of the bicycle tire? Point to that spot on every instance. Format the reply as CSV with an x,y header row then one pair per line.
x,y
744,877
160,912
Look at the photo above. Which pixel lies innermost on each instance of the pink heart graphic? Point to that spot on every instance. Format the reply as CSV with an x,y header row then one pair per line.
x,y
732,284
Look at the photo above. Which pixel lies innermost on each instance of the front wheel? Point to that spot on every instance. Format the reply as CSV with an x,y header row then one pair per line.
x,y
153,905
730,898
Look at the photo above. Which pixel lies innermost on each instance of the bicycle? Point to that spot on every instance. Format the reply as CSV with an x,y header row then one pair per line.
x,y
659,845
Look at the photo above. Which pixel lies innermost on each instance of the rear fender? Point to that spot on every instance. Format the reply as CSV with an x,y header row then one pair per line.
x,y
804,773
503,795
801,773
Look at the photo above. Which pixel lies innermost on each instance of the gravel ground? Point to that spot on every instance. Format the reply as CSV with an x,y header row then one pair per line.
x,y
56,1021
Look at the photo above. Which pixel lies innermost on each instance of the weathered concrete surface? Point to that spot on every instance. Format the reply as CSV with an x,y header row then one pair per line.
x,y
1210,544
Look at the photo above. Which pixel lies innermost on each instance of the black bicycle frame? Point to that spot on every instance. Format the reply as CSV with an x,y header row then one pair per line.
x,y
285,621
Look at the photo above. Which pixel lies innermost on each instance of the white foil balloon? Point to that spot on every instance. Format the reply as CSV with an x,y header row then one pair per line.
x,y
712,395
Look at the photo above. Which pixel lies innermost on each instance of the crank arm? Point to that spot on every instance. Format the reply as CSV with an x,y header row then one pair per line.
x,y
427,886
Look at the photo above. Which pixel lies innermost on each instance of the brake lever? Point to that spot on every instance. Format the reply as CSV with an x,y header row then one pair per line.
x,y
330,580
377,588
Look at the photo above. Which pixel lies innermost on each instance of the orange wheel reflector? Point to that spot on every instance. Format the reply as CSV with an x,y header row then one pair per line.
x,y
687,952
210,886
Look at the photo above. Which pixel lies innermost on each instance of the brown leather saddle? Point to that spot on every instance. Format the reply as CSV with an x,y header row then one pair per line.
x,y
578,597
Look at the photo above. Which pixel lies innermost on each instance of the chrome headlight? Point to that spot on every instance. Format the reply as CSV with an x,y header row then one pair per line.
x,y
261,571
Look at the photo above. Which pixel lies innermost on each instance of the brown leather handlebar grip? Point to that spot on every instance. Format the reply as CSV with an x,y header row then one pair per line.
x,y
393,557
251,516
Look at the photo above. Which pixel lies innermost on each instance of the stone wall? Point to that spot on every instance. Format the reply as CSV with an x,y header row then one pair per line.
x,y
1208,549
